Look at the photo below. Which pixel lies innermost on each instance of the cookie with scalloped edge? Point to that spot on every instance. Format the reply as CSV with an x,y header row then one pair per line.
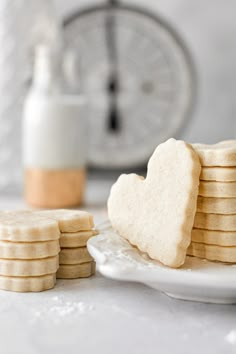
x,y
27,227
28,268
217,189
70,220
74,255
220,154
211,205
214,237
215,221
156,214
219,174
29,250
28,284
76,239
73,271
212,252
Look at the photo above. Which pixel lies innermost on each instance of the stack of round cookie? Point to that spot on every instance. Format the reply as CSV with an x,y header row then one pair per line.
x,y
29,248
76,228
214,232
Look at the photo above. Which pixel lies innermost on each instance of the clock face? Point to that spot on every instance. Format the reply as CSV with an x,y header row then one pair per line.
x,y
151,90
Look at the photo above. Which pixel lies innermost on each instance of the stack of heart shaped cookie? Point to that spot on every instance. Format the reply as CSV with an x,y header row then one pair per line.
x,y
214,231
76,228
38,246
29,248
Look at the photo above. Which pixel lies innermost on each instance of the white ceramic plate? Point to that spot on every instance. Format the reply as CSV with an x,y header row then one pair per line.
x,y
196,280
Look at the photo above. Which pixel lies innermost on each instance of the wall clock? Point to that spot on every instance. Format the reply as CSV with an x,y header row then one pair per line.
x,y
138,76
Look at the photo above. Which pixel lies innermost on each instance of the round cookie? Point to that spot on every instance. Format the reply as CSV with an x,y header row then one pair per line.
x,y
220,154
70,220
76,239
214,237
29,250
28,268
212,252
216,205
74,256
73,271
215,222
28,284
217,189
220,174
27,227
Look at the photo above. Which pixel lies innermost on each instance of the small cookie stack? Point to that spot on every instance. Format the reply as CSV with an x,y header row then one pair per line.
x,y
214,232
29,248
76,228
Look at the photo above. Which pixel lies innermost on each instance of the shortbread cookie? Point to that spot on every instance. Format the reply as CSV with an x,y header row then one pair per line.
x,y
220,174
70,220
212,252
29,250
221,154
156,214
27,227
211,237
76,239
217,189
216,205
74,271
215,222
74,255
28,268
28,284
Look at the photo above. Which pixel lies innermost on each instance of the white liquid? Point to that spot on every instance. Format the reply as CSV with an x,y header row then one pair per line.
x,y
54,132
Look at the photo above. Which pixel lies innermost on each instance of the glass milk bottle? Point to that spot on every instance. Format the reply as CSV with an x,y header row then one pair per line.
x,y
54,138
22,23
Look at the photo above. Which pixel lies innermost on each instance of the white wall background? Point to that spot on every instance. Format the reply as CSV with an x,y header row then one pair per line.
x,y
209,28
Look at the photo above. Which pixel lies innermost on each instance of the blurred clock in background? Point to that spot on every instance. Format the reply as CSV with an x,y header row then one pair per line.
x,y
138,77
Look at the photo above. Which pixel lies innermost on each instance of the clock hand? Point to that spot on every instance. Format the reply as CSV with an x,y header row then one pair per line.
x,y
114,117
113,123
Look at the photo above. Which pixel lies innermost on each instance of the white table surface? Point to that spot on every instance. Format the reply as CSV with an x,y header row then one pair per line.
x,y
99,315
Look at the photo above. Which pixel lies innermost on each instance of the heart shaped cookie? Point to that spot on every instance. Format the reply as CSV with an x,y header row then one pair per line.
x,y
156,214
220,154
